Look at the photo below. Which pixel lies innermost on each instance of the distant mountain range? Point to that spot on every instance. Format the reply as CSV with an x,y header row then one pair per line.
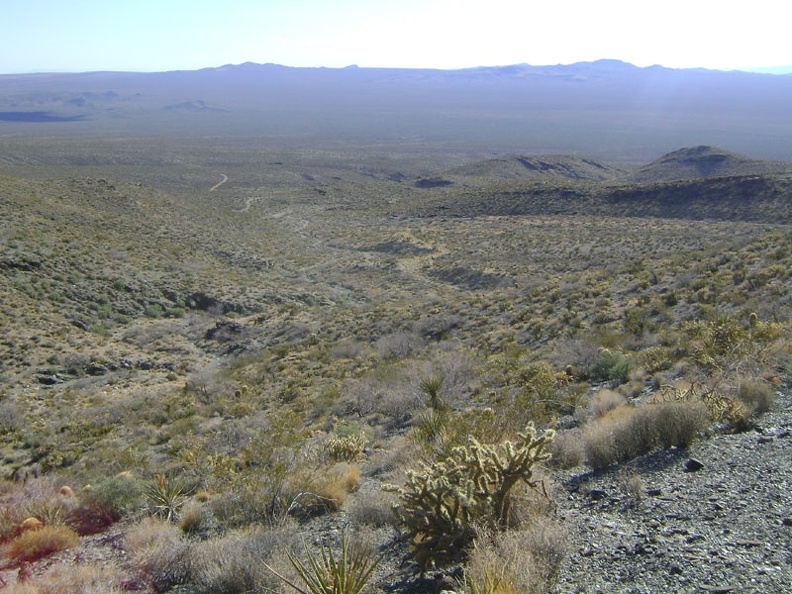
x,y
608,109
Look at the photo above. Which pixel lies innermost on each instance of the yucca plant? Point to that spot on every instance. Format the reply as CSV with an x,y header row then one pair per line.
x,y
165,496
430,386
325,573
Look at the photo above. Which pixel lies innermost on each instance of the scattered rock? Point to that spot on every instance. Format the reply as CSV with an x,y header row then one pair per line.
x,y
96,369
597,494
693,465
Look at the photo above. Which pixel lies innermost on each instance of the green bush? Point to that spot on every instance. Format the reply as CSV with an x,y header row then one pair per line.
x,y
611,366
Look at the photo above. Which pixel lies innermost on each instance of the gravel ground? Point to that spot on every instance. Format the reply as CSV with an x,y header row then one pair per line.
x,y
664,524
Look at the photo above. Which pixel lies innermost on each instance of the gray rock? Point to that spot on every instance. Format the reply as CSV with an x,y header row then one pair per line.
x,y
693,465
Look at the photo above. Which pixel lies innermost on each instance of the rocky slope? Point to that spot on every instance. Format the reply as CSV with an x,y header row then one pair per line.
x,y
660,524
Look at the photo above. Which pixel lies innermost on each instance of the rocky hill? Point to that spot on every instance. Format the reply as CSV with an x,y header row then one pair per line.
x,y
539,166
705,161
692,183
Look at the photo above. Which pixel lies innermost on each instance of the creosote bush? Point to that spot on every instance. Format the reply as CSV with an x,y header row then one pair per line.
x,y
442,504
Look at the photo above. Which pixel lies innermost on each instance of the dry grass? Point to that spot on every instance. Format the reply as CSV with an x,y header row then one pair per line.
x,y
523,561
159,551
604,401
757,396
372,508
567,449
338,482
33,545
74,579
234,563
627,432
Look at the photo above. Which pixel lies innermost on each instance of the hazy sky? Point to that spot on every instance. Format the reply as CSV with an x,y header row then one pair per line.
x,y
155,35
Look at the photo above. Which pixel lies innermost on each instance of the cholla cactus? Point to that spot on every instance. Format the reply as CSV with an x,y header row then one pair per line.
x,y
442,503
346,449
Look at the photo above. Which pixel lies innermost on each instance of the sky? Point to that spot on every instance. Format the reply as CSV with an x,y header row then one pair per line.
x,y
159,35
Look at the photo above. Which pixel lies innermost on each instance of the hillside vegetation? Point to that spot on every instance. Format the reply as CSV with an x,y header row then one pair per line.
x,y
230,361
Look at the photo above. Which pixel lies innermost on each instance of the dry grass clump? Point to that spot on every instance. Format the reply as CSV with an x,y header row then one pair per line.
x,y
34,544
228,564
632,484
73,579
234,563
627,432
194,517
372,509
521,561
338,481
604,401
567,449
160,552
756,395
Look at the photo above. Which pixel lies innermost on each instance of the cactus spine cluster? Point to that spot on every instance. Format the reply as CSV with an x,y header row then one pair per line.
x,y
441,505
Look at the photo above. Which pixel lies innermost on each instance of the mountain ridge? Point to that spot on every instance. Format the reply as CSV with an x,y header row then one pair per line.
x,y
611,110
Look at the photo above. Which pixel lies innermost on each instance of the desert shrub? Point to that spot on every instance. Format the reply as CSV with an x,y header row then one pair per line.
x,y
656,358
566,449
516,562
112,498
720,407
92,515
160,552
718,342
604,401
372,509
528,391
611,366
10,517
627,432
756,395
441,505
232,564
79,578
397,345
632,484
32,545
